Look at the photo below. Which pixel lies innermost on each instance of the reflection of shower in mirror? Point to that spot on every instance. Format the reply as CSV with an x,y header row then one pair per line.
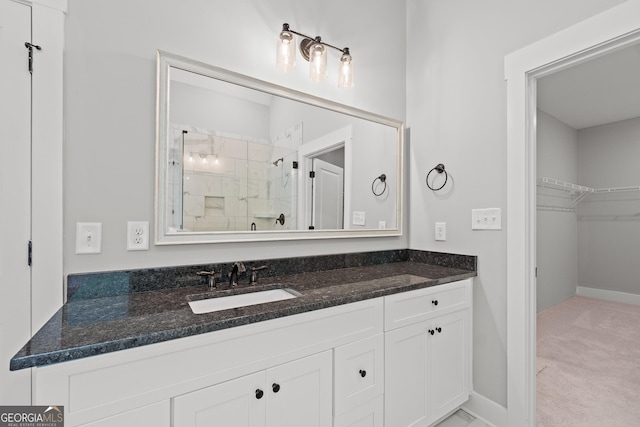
x,y
280,160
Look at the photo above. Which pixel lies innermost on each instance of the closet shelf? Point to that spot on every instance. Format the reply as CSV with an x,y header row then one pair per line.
x,y
556,184
574,193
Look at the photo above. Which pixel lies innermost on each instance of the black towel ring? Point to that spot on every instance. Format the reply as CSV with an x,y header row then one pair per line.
x,y
440,169
383,179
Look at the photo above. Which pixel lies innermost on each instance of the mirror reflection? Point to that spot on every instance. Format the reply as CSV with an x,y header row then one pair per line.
x,y
243,156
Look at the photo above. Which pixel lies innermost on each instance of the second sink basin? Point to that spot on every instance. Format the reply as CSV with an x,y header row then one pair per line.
x,y
217,303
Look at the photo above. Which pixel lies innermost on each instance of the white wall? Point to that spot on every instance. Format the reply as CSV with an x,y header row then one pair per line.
x,y
608,226
456,109
557,231
110,96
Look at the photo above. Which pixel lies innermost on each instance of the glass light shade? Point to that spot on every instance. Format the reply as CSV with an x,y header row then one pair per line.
x,y
286,52
346,71
318,62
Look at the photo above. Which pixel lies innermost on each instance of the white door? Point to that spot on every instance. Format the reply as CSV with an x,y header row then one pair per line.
x,y
15,197
448,361
406,376
236,403
328,196
300,393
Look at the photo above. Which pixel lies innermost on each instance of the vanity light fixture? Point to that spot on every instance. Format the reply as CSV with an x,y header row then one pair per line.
x,y
313,50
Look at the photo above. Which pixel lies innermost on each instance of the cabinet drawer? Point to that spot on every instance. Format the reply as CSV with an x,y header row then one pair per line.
x,y
358,373
411,307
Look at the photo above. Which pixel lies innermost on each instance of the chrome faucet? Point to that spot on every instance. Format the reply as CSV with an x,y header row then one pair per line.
x,y
211,276
238,267
254,276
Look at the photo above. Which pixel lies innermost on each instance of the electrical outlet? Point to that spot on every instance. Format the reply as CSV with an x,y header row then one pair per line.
x,y
441,231
359,218
138,235
88,237
486,219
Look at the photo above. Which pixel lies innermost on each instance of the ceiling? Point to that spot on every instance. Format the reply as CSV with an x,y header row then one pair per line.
x,y
602,90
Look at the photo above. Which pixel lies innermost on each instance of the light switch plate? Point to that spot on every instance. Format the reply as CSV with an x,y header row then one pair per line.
x,y
486,219
88,237
358,218
441,231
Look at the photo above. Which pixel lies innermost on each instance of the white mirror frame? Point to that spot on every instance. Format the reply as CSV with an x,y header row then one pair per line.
x,y
166,60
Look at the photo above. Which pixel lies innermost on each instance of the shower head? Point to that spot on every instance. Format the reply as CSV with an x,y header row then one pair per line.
x,y
281,159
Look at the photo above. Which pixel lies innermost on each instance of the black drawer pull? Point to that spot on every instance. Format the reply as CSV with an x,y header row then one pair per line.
x,y
431,331
275,387
259,394
434,302
439,330
363,373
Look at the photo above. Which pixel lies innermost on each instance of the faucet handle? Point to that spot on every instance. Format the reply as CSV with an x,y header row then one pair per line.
x,y
206,273
254,276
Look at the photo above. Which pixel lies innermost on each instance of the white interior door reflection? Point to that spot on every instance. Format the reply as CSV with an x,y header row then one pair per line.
x,y
327,196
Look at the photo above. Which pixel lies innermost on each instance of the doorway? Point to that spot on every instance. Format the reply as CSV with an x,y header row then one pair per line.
x,y
588,240
324,201
611,30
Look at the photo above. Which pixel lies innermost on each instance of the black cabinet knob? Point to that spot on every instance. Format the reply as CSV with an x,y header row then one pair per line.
x,y
431,331
434,302
439,330
259,394
275,387
363,373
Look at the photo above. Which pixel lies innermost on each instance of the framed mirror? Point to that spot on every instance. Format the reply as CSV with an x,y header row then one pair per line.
x,y
239,159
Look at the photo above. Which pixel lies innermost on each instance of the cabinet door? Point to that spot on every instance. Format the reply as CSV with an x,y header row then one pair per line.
x,y
406,376
156,415
449,361
427,369
237,403
299,393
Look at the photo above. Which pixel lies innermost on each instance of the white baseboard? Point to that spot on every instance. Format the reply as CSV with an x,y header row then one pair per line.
x,y
606,295
486,410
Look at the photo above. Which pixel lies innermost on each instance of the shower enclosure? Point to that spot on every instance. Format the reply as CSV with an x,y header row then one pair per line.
x,y
226,182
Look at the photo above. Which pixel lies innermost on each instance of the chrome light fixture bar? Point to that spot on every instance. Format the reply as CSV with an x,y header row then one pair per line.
x,y
313,50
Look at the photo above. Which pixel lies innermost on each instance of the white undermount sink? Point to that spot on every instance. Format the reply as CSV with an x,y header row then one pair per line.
x,y
241,300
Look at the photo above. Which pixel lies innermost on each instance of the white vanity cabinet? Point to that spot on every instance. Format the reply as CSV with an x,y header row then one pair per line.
x,y
289,395
427,353
216,375
400,360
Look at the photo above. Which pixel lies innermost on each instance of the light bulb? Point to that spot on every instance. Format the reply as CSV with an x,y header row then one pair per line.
x,y
346,70
285,50
318,62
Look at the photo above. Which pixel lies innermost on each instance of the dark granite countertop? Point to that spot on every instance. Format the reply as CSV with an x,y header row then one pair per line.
x,y
91,326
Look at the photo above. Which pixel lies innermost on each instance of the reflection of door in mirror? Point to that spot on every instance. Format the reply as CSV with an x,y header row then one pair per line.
x,y
324,200
327,195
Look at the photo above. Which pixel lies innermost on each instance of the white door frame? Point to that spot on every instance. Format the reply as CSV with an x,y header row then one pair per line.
x,y
340,138
611,30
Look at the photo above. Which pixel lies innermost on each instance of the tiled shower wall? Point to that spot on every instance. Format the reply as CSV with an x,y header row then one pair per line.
x,y
231,182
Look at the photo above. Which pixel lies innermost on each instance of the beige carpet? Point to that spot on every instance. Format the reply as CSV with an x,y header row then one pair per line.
x,y
588,364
